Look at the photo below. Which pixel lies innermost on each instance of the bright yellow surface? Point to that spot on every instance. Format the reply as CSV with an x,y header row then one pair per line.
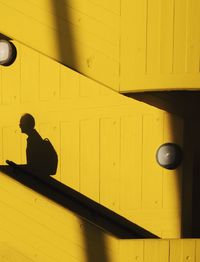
x,y
106,142
35,229
84,35
160,45
127,45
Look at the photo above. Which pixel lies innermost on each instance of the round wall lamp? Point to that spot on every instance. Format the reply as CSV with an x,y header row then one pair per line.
x,y
169,155
8,52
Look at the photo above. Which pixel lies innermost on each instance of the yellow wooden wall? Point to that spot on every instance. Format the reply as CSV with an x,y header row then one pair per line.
x,y
160,45
178,250
84,35
128,45
106,142
35,229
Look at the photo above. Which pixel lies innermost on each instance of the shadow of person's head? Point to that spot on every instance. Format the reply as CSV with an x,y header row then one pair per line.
x,y
27,123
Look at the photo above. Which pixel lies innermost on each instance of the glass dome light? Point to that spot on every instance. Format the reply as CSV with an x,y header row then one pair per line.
x,y
7,52
169,155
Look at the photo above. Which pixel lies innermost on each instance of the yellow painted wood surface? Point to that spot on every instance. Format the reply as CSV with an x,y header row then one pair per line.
x,y
106,142
152,138
89,158
83,35
11,78
131,145
69,158
159,45
126,45
109,162
35,229
159,250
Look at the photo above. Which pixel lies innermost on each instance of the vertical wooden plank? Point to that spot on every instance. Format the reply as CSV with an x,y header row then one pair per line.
x,y
109,162
152,172
176,250
11,144
167,36
131,250
182,250
49,78
133,40
189,247
156,250
2,160
52,132
197,253
29,75
153,37
69,156
173,133
69,83
180,35
11,80
89,158
193,53
131,162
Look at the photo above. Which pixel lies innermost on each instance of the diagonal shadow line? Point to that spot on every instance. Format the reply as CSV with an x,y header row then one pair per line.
x,y
85,207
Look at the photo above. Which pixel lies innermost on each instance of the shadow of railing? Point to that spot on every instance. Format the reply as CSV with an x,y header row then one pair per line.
x,y
83,206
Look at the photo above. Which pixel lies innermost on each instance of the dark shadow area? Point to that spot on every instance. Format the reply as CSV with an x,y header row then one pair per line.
x,y
78,203
196,186
41,156
94,244
185,104
5,37
64,37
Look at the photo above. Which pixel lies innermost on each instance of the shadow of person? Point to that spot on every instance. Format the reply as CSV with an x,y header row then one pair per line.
x,y
41,156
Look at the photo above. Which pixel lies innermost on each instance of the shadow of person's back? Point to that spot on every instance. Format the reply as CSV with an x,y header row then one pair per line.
x,y
41,156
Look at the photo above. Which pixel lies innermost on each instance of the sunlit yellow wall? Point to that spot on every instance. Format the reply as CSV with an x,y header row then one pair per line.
x,y
106,142
160,250
160,45
34,229
128,45
85,35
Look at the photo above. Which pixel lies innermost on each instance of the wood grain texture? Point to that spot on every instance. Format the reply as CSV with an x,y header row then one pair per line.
x,y
106,143
160,46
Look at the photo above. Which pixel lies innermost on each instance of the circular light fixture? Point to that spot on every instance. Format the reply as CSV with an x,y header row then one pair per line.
x,y
7,52
169,155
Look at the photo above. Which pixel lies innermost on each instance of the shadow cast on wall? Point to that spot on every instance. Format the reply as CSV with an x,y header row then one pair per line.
x,y
184,104
71,199
41,156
